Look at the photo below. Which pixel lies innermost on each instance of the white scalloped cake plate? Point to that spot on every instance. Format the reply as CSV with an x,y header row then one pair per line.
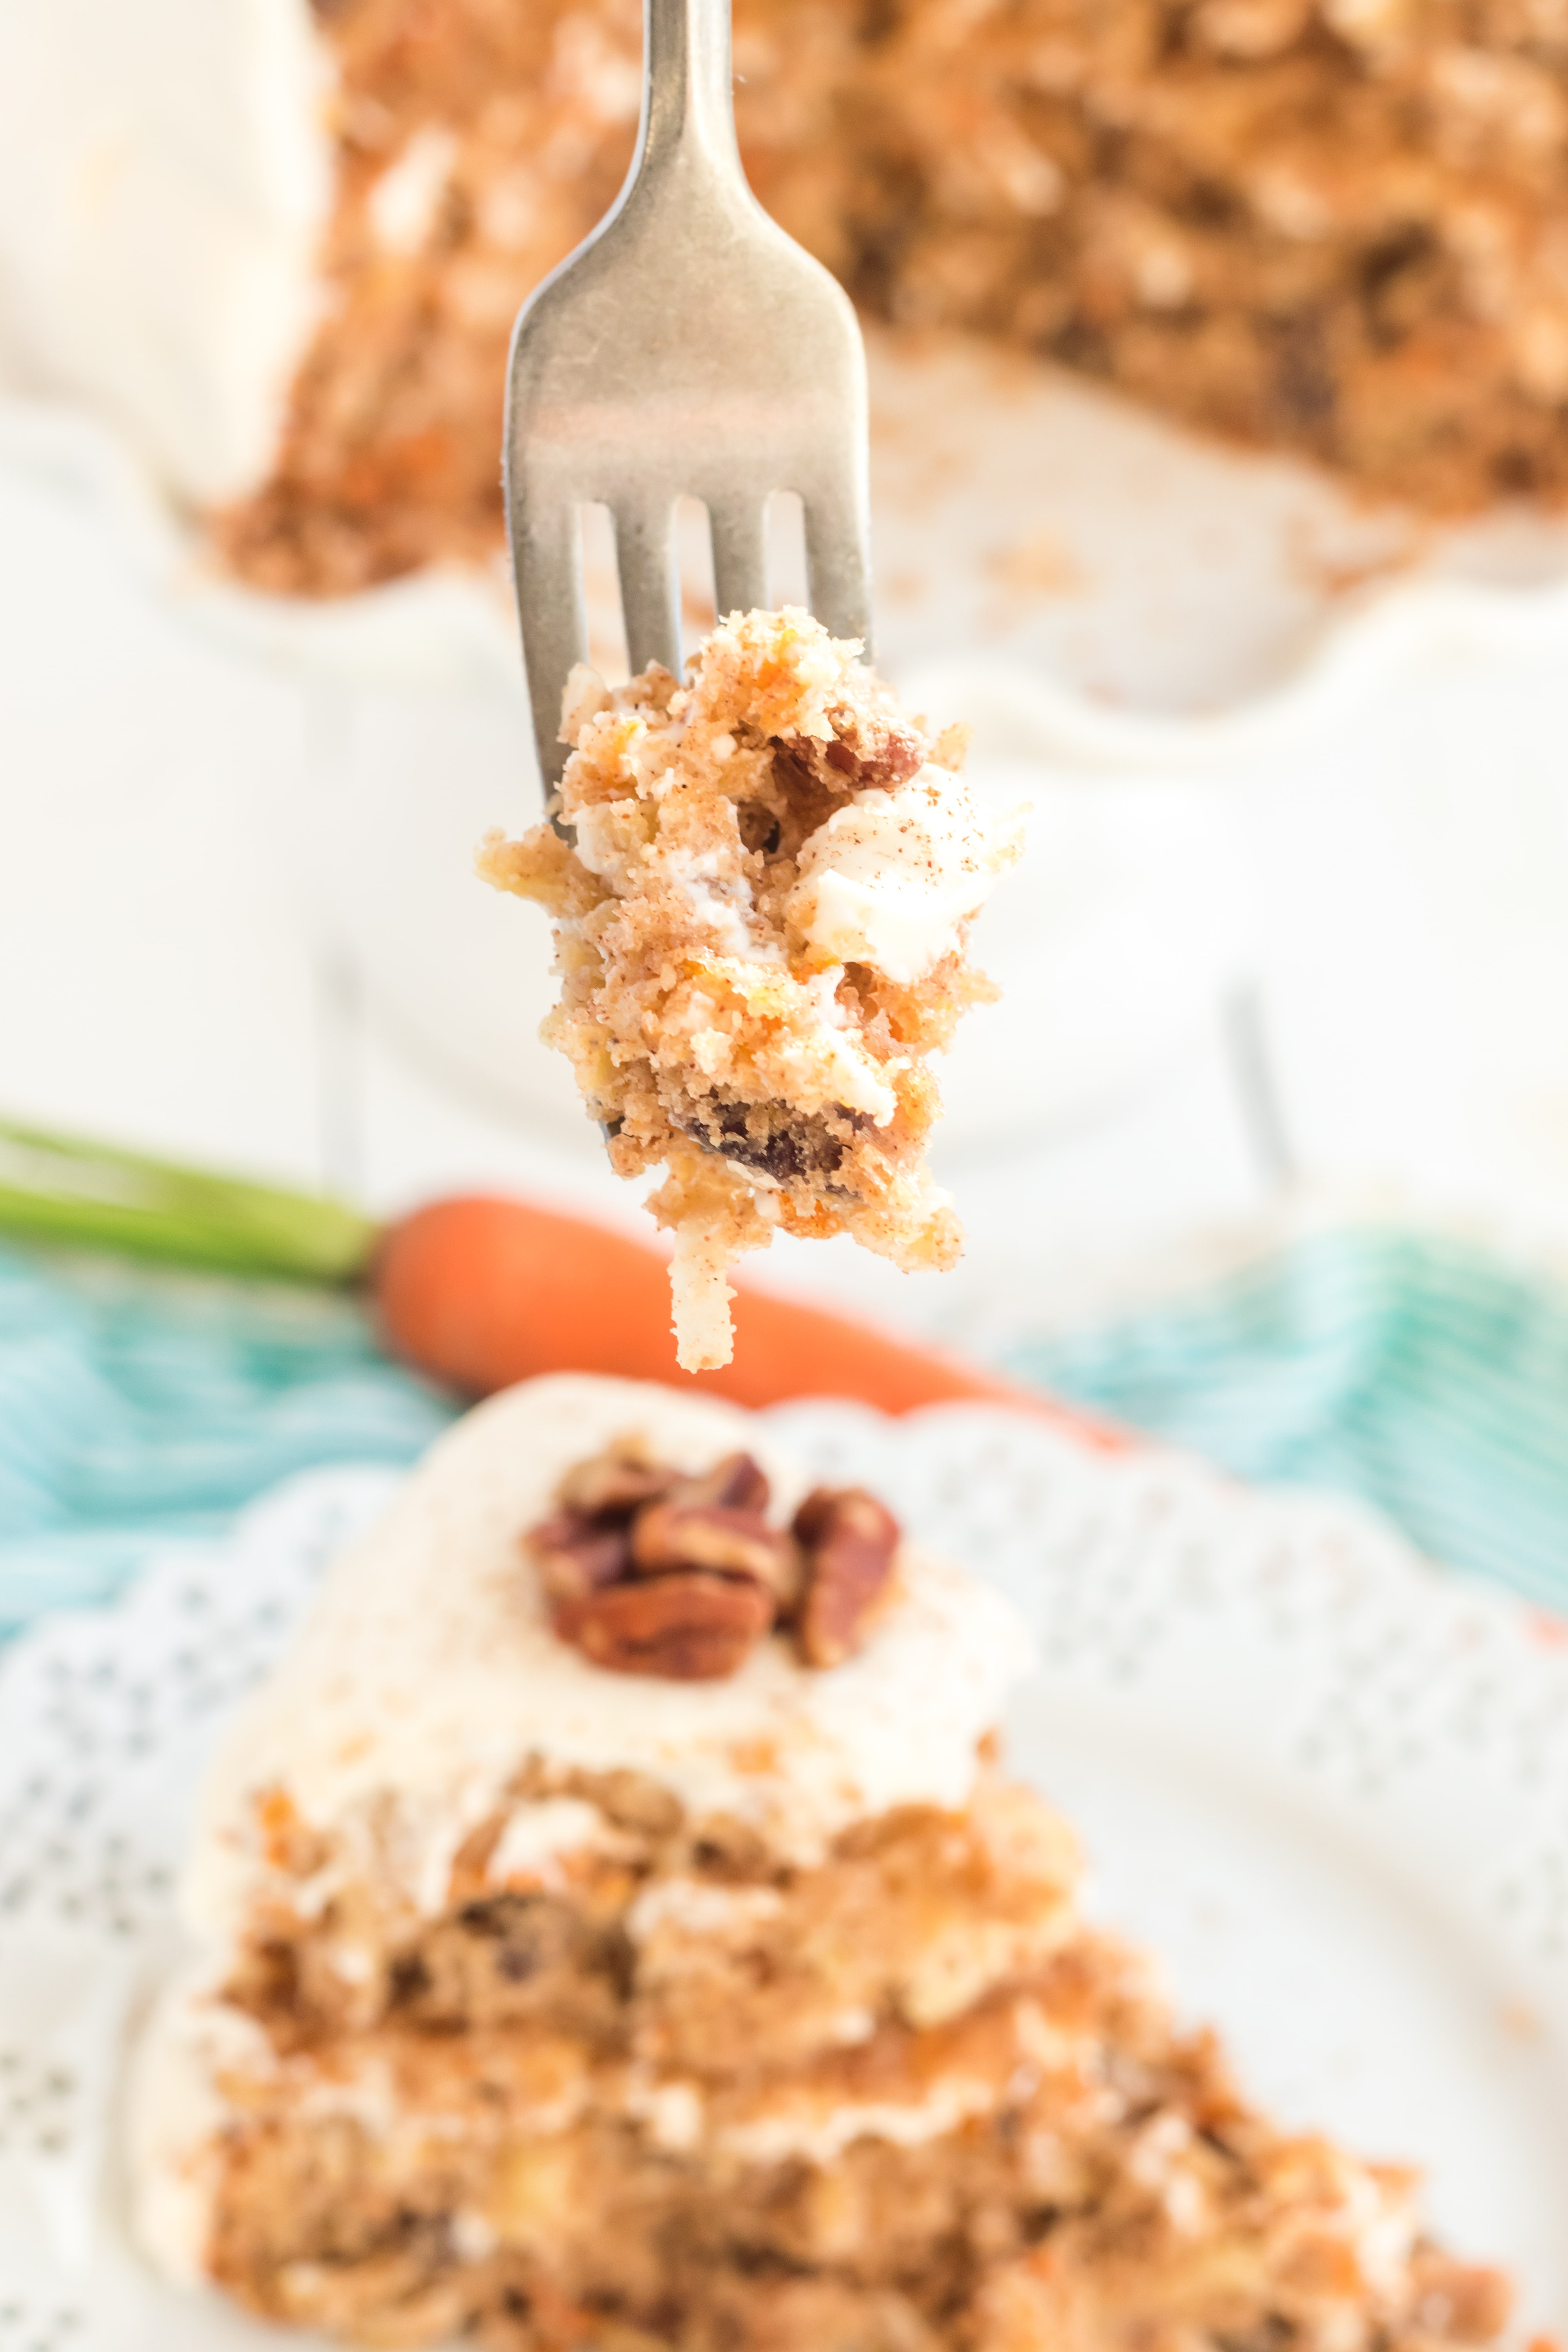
x,y
1326,1782
1084,579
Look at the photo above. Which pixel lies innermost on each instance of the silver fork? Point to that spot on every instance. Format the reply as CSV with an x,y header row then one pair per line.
x,y
688,348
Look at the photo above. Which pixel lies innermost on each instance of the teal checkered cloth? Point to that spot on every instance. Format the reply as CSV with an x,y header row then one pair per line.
x,y
1415,1372
1420,1375
136,1406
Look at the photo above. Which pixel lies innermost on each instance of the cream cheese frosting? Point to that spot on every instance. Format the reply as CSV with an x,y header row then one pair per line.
x,y
429,1672
175,2110
163,195
888,879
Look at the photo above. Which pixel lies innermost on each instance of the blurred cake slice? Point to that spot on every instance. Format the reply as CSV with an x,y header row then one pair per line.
x,y
616,1932
284,243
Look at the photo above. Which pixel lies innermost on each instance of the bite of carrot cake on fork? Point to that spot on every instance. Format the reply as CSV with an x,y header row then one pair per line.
x,y
761,882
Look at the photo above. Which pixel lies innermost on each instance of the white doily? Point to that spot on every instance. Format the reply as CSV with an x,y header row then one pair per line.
x,y
1329,1784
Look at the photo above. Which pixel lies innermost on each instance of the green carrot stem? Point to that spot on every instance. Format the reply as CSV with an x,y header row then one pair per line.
x,y
83,1195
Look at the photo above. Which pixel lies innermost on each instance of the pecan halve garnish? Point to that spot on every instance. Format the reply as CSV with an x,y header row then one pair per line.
x,y
615,1483
735,1484
649,1570
688,1627
849,1541
671,1536
573,1555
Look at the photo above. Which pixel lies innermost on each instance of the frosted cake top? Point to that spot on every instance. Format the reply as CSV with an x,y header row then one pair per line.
x,y
429,1672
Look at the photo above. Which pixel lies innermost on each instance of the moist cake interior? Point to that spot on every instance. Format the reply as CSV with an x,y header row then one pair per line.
x,y
761,919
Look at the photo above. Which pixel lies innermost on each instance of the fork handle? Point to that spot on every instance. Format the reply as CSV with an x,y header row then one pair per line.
x,y
689,99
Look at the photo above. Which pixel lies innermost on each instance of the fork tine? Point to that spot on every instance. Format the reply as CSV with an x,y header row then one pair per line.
x,y
740,555
555,622
650,585
837,569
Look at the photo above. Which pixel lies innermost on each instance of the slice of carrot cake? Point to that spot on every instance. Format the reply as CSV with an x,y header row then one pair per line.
x,y
1336,227
760,923
616,1932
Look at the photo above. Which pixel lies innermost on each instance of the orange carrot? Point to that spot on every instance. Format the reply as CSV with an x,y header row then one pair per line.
x,y
479,1292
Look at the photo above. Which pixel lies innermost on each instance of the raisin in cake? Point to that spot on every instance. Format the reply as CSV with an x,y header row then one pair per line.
x,y
615,1930
760,922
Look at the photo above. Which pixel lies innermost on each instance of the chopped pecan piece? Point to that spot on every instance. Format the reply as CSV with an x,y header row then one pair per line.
x,y
669,1536
735,1484
849,1541
688,1627
615,1483
573,1555
872,746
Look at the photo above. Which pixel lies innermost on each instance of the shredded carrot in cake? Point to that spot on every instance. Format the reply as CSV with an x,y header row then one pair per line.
x,y
760,923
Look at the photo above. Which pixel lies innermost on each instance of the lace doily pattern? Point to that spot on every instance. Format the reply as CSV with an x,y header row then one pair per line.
x,y
1355,1666
1294,1640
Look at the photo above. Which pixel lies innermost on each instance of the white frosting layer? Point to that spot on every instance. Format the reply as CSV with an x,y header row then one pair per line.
x,y
165,182
175,2110
842,1064
888,880
529,1848
407,198
807,2124
429,1672
817,2129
